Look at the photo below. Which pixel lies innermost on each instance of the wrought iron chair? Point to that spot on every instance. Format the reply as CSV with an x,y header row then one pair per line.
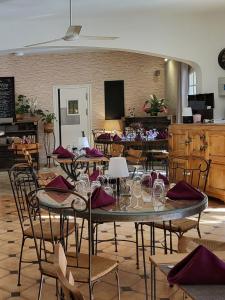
x,y
65,277
193,170
116,150
135,158
23,180
86,268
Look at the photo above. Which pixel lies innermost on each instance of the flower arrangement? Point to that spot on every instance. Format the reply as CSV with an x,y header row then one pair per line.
x,y
154,105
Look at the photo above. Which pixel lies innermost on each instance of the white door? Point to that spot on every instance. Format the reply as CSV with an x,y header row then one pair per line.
x,y
71,106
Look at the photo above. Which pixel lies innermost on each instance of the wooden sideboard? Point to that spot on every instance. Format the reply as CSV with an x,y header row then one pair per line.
x,y
207,141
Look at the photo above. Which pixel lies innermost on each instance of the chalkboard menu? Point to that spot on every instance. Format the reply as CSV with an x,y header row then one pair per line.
x,y
7,99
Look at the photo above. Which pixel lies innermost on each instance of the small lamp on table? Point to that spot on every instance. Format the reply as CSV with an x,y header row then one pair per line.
x,y
118,169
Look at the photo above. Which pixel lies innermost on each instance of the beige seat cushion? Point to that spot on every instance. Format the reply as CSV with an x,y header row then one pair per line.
x,y
47,235
180,225
100,267
188,244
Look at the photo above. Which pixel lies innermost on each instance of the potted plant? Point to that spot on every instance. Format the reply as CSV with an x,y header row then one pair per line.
x,y
48,119
22,107
154,105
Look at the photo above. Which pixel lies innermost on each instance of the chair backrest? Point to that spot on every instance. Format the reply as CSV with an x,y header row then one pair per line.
x,y
52,222
22,178
65,278
134,153
188,244
27,156
192,169
116,150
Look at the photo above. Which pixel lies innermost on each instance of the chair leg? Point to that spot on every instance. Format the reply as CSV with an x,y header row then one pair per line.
x,y
20,261
40,287
165,239
118,283
199,233
144,263
137,245
115,237
96,239
81,235
91,295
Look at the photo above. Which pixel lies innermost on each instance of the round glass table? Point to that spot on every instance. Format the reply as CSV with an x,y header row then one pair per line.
x,y
123,209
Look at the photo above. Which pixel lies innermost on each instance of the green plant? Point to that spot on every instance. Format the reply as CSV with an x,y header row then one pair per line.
x,y
22,105
48,117
154,105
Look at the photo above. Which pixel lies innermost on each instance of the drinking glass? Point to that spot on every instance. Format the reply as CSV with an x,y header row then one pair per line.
x,y
146,187
95,184
136,189
158,191
84,177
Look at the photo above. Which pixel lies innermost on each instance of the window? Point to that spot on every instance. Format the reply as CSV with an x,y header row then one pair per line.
x,y
192,83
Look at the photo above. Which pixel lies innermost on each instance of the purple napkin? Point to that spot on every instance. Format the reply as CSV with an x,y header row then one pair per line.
x,y
138,137
116,138
63,153
60,183
148,182
100,198
184,191
93,152
201,266
104,136
94,175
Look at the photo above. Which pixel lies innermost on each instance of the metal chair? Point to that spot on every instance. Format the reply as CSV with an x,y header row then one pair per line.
x,y
193,170
86,268
135,158
116,150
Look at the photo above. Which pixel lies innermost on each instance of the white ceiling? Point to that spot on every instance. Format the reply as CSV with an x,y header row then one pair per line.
x,y
24,22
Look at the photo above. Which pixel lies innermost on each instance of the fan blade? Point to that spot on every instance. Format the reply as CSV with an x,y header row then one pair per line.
x,y
43,43
99,38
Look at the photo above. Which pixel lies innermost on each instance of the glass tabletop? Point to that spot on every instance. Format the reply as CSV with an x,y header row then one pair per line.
x,y
124,207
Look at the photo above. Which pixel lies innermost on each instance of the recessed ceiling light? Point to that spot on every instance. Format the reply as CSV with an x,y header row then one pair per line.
x,y
165,59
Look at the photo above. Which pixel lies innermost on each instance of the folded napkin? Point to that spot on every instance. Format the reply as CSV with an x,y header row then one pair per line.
x,y
116,138
138,137
184,191
201,266
93,152
63,153
60,182
104,136
100,198
94,175
149,183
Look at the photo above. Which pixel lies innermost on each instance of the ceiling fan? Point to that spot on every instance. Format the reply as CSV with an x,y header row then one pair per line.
x,y
73,33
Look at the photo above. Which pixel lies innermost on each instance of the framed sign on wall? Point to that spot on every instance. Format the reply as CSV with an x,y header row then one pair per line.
x,y
221,86
7,100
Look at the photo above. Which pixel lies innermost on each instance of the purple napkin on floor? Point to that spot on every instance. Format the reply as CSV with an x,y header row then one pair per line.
x,y
63,153
116,138
60,183
94,175
201,266
93,152
148,182
104,136
184,191
100,198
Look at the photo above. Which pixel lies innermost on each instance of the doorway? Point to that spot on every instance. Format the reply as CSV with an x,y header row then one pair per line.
x,y
72,110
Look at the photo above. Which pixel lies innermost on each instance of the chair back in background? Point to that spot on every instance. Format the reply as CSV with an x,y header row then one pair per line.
x,y
192,169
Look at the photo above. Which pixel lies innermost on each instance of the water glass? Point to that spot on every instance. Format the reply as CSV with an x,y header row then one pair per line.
x,y
146,187
158,191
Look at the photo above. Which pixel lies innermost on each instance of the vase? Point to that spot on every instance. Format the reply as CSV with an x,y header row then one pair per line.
x,y
153,114
48,127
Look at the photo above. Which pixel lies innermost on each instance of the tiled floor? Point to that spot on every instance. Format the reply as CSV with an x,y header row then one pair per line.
x,y
131,279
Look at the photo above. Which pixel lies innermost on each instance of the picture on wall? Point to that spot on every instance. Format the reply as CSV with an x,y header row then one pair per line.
x,y
221,86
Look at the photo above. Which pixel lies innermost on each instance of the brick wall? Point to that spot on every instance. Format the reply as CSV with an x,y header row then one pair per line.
x,y
35,75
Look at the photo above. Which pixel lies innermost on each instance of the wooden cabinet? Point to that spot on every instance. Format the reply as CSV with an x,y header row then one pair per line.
x,y
207,141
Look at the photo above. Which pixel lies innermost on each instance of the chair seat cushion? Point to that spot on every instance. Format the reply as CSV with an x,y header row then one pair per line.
x,y
180,225
47,235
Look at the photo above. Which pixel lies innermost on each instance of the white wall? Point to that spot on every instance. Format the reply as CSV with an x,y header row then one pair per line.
x,y
196,38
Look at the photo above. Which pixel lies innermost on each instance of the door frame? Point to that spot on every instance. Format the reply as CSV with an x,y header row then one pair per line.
x,y
56,108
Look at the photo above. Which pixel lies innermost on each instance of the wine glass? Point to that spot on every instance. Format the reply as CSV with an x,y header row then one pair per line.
x,y
84,177
136,189
146,187
159,190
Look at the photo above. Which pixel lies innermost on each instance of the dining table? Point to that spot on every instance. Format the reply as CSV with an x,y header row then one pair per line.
x,y
195,291
124,210
72,166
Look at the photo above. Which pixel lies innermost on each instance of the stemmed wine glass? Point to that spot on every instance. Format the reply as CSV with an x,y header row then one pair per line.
x,y
158,193
136,189
146,187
